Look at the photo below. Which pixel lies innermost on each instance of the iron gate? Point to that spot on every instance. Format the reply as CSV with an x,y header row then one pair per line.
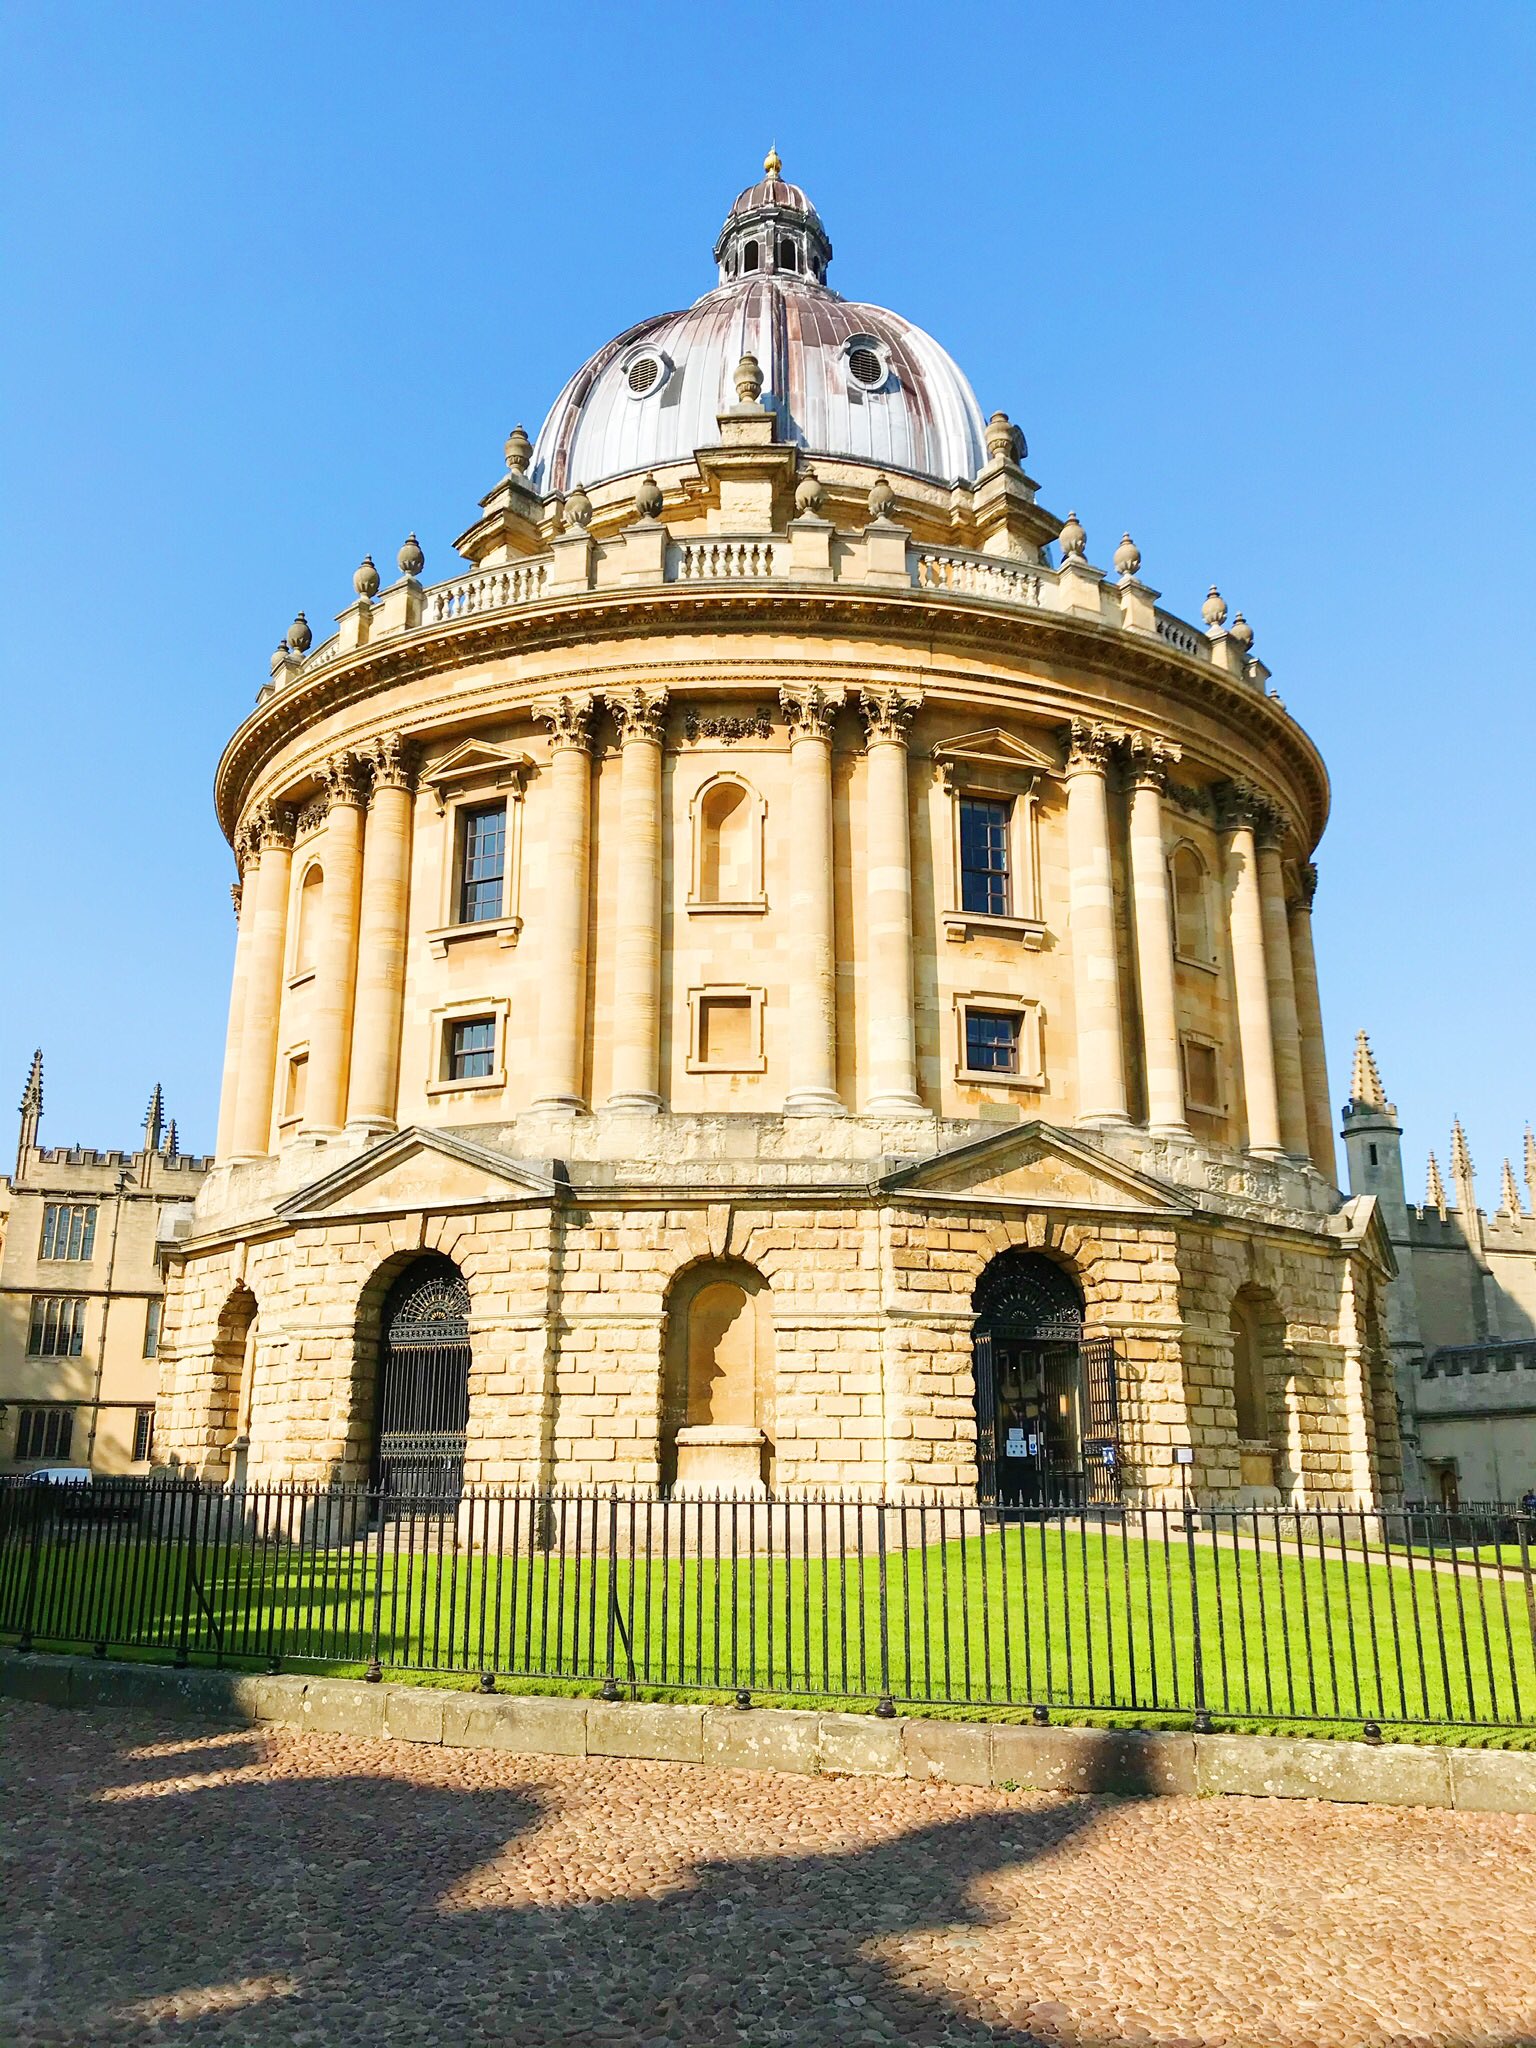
x,y
1047,1403
423,1389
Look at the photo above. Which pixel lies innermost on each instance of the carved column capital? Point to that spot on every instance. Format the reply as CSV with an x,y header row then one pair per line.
x,y
888,714
1306,885
393,760
810,712
569,720
1089,746
1239,806
272,824
1149,761
346,780
236,892
640,715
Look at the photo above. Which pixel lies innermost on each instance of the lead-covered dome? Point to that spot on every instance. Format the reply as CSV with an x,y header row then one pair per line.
x,y
843,379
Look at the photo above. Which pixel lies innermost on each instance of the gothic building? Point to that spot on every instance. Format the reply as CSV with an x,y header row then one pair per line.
x,y
777,971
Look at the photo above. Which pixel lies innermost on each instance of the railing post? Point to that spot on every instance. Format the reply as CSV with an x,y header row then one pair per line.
x,y
1202,1721
886,1708
610,1679
35,1506
374,1671
181,1657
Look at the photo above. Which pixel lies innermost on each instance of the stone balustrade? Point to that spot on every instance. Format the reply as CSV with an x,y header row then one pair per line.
x,y
722,558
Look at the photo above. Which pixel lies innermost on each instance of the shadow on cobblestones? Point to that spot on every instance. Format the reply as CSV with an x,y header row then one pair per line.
x,y
230,1891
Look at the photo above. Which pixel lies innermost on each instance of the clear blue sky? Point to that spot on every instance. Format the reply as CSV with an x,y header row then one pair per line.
x,y
1256,281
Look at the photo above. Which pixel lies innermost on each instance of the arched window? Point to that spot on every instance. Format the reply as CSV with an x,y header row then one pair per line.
x,y
1250,1390
307,936
727,846
718,1426
234,1368
1190,890
749,256
789,256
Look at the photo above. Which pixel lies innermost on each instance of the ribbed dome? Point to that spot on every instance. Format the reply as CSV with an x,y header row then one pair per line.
x,y
843,379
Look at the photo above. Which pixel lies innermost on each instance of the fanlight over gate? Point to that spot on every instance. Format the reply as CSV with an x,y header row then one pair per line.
x,y
422,1415
1047,1403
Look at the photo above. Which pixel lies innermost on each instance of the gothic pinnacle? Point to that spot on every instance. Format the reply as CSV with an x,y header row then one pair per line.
x,y
1530,1164
1365,1083
1509,1194
1434,1193
32,1094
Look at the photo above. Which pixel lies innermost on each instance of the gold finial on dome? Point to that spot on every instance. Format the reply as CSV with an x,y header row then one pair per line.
x,y
772,162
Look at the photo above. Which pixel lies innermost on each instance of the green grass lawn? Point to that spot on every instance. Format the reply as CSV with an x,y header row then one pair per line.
x,y
1072,1614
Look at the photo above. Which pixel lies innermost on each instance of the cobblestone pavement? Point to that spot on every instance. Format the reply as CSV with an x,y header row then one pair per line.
x,y
166,1884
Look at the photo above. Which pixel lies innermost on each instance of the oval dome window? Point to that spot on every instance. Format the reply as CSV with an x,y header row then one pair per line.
x,y
865,366
644,375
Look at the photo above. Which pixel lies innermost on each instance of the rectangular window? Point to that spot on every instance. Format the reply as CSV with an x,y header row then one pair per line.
x,y
143,1434
725,1031
1202,1076
471,1048
152,1329
45,1432
58,1326
482,864
296,1087
69,1230
984,882
992,1041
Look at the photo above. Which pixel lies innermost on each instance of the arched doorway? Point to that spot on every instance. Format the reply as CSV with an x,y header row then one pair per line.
x,y
717,1429
421,1415
1047,1408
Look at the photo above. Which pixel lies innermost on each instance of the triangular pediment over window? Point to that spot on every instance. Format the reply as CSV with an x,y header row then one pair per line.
x,y
1035,1166
418,1169
477,761
995,750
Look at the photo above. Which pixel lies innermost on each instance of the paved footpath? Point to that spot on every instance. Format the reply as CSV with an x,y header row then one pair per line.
x,y
168,1885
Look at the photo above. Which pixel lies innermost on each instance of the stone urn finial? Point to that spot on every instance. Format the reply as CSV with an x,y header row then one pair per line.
x,y
648,498
300,638
1002,438
882,499
1214,610
578,510
1074,538
810,495
518,451
748,379
412,561
1127,558
365,578
1241,633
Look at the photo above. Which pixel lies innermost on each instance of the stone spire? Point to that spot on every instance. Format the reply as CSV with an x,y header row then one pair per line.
x,y
154,1120
172,1146
31,1107
1462,1171
1365,1083
1434,1193
1530,1164
1509,1194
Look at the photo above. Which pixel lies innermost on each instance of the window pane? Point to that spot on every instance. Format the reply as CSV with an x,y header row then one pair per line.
x,y
88,1236
984,857
151,1329
991,1042
483,869
471,1049
143,1434
50,1224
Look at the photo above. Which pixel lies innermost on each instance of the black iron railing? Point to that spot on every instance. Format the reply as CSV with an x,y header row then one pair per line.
x,y
1408,1617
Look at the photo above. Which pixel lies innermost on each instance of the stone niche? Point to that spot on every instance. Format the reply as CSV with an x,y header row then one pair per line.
x,y
718,1425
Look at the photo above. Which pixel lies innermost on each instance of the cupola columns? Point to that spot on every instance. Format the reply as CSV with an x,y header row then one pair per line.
x,y
892,1023
1255,1032
1154,944
273,857
560,1076
1309,1014
244,897
637,994
373,1096
812,1071
1101,1088
1289,1085
330,1037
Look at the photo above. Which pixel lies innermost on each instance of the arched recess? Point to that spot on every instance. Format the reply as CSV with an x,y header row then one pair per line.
x,y
1189,896
718,1391
1047,1401
726,819
306,922
411,1384
234,1372
1260,1393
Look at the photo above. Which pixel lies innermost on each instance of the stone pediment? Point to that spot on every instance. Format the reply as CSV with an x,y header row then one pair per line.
x,y
477,761
1036,1166
994,750
418,1169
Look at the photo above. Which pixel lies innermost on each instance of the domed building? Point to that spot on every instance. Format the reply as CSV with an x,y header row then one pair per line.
x,y
777,973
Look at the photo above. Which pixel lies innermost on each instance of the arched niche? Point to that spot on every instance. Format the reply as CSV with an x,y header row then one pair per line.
x,y
1190,904
234,1374
306,919
726,819
1260,1394
718,1421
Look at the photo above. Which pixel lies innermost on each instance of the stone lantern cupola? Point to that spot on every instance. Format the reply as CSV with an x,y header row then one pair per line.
x,y
773,227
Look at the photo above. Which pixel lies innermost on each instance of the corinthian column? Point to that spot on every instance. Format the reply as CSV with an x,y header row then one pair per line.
x,y
330,1031
888,881
244,899
272,850
560,1072
1309,1015
812,1071
1290,1092
1249,974
637,994
1154,940
373,1096
1101,1096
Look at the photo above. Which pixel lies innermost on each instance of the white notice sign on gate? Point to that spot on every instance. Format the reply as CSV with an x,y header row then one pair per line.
x,y
1014,1447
